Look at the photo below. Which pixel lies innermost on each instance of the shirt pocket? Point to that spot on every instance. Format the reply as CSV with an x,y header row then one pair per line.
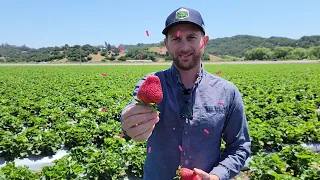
x,y
212,119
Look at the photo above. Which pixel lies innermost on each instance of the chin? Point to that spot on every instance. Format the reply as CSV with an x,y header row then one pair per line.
x,y
186,64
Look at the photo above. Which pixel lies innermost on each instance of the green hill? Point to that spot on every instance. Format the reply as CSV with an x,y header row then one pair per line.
x,y
231,48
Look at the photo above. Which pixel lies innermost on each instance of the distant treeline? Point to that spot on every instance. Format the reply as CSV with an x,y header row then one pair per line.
x,y
13,53
77,53
240,47
283,53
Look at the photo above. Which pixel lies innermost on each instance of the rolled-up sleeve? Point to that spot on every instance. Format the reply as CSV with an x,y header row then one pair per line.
x,y
237,138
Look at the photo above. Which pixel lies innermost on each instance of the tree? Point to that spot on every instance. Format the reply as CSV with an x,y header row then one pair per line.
x,y
281,52
314,52
89,58
116,51
152,57
297,54
205,57
258,54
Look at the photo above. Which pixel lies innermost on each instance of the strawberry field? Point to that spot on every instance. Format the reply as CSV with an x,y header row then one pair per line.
x,y
47,108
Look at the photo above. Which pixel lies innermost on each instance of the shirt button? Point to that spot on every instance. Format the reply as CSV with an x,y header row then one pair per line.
x,y
184,153
186,162
185,133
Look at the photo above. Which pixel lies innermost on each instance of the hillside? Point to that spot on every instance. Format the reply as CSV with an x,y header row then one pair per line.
x,y
239,44
228,48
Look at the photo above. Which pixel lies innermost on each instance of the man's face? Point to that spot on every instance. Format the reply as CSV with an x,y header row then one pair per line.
x,y
185,49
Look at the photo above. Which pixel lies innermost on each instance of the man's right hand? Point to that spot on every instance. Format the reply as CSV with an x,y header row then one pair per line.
x,y
139,122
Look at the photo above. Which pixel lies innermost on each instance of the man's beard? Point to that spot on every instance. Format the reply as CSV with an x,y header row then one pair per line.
x,y
194,60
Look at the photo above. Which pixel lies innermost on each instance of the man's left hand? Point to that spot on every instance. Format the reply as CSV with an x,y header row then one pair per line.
x,y
206,176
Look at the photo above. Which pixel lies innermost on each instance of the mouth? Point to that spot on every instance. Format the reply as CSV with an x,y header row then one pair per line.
x,y
185,55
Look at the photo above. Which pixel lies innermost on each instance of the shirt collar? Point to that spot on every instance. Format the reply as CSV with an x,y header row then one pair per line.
x,y
176,77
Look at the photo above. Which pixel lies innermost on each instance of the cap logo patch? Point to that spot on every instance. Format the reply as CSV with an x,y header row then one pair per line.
x,y
182,14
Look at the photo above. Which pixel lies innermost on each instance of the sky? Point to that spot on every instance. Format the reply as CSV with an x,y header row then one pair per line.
x,y
44,23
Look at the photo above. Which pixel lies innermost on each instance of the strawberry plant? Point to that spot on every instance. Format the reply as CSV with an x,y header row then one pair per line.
x,y
43,108
292,162
9,171
63,169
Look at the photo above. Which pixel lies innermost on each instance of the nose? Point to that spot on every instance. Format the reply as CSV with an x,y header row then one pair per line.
x,y
185,46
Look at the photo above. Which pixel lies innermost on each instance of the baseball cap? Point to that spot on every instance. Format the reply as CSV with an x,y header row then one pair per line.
x,y
184,15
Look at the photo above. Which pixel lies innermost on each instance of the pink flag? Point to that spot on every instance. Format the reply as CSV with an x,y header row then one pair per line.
x,y
121,136
180,148
178,33
149,150
120,48
219,72
206,131
220,103
104,74
147,33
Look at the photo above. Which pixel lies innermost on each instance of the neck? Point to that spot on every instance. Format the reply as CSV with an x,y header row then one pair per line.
x,y
189,77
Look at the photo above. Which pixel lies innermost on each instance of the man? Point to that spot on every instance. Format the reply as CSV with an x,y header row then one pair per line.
x,y
197,110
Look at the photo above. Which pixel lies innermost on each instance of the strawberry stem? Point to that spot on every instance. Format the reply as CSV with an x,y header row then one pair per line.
x,y
178,175
153,105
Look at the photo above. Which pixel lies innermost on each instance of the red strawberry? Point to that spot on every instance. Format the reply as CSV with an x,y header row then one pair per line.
x,y
187,174
150,92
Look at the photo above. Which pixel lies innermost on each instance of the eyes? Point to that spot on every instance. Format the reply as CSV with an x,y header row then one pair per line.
x,y
188,38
